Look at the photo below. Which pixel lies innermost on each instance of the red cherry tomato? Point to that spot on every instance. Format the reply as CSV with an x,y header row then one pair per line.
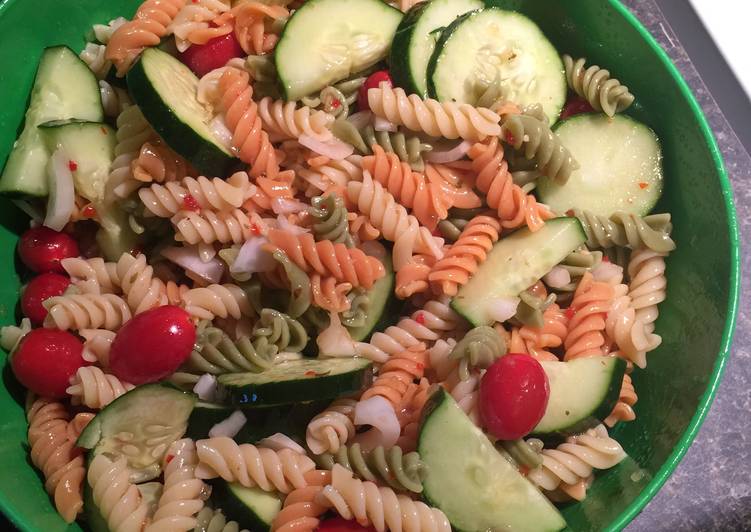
x,y
46,359
41,249
576,106
339,524
39,289
514,393
373,82
203,58
152,345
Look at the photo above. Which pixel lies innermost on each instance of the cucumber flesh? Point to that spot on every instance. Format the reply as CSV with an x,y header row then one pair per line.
x,y
416,37
166,91
493,45
140,425
297,381
326,41
469,480
64,88
583,392
253,507
514,264
620,167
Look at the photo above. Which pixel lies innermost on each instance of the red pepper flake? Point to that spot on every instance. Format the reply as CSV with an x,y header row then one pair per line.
x,y
524,470
643,185
190,203
605,259
510,137
335,104
136,251
103,130
570,313
420,318
72,166
310,373
420,366
169,458
255,229
89,211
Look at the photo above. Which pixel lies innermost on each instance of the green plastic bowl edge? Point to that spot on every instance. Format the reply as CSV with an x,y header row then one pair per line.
x,y
705,403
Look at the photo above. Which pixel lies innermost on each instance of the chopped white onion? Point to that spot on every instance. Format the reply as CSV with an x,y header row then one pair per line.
x,y
205,388
379,414
381,124
607,272
279,442
333,148
62,195
287,206
253,258
360,119
30,210
334,340
285,225
448,156
502,309
221,132
373,248
558,277
190,259
230,426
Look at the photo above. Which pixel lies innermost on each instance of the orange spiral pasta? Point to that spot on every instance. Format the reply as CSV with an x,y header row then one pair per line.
x,y
590,306
328,294
56,456
157,162
251,28
515,207
301,512
249,142
413,278
428,201
324,175
326,258
199,21
270,190
624,410
77,424
215,194
463,258
537,342
147,28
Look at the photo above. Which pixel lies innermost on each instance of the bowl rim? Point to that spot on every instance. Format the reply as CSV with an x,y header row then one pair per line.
x,y
705,402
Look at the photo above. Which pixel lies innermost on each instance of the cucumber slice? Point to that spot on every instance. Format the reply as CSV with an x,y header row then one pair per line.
x,y
467,478
298,380
91,145
328,40
583,392
140,425
620,166
514,264
252,507
415,40
493,45
382,307
64,88
165,90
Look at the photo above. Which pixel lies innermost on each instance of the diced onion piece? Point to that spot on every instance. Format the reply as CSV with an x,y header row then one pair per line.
x,y
448,156
287,206
190,259
30,210
381,124
230,426
503,308
607,272
252,258
334,340
285,225
379,414
374,248
62,197
360,119
558,277
333,148
280,441
221,132
205,388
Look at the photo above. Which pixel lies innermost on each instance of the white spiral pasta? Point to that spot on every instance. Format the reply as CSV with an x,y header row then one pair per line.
x,y
103,32
633,337
133,131
93,388
142,290
92,276
211,520
218,300
331,175
233,227
94,56
213,194
466,393
252,466
380,507
284,120
97,345
393,221
117,498
86,311
182,497
438,119
114,99
195,16
332,428
648,285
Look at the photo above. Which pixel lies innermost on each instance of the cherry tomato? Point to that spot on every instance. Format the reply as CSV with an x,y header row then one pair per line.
x,y
41,249
373,82
576,106
203,58
46,359
39,289
514,393
339,524
152,345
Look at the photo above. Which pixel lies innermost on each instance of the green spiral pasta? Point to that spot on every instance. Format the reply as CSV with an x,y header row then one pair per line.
x,y
409,148
521,452
402,472
577,263
627,230
458,219
532,135
330,219
359,304
337,99
275,332
478,349
299,285
531,308
595,85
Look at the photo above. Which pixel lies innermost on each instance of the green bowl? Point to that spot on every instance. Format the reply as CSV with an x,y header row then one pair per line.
x,y
696,321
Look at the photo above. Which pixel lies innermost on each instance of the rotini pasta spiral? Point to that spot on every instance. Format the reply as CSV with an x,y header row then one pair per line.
x,y
401,471
632,336
148,26
357,313
627,230
648,285
213,194
521,453
463,258
276,332
252,28
332,428
193,23
133,131
397,375
216,353
437,119
413,278
284,120
207,227
393,221
380,507
466,393
328,294
537,341
218,300
327,176
532,305
590,306
93,388
157,162
514,206
539,143
252,466
54,453
623,410
595,85
214,520
78,424
330,219
103,32
93,55
117,498
326,258
141,288
478,349
97,345
300,511
86,311
114,99
407,147
92,276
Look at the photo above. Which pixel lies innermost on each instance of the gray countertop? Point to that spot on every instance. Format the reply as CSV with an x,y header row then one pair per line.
x,y
711,488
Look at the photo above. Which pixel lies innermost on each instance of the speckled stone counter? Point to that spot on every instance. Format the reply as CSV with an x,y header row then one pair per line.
x,y
711,488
